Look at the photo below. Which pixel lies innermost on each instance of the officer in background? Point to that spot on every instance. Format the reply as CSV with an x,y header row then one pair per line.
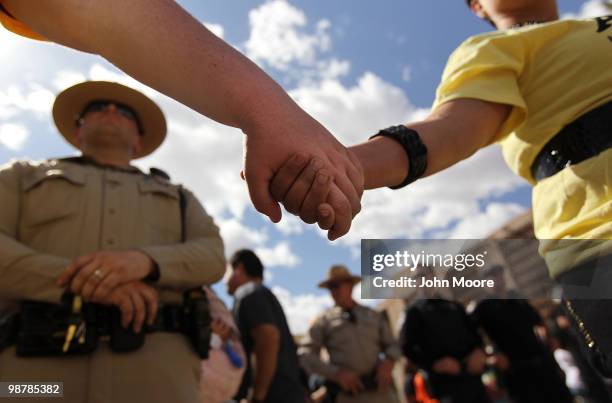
x,y
527,367
438,337
96,227
358,340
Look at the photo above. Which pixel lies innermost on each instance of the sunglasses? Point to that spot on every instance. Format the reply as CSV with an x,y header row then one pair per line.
x,y
124,110
333,286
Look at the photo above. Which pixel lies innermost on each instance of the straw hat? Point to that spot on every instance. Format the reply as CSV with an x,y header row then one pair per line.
x,y
337,274
70,103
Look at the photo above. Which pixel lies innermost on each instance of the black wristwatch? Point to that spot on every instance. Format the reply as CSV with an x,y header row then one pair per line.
x,y
410,140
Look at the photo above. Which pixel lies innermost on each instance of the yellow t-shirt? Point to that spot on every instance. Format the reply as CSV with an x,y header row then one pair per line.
x,y
550,74
16,26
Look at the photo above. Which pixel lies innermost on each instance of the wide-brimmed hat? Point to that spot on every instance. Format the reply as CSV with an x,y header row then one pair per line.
x,y
72,101
339,274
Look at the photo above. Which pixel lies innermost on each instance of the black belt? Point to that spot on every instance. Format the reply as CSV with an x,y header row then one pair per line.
x,y
108,328
169,318
582,139
46,329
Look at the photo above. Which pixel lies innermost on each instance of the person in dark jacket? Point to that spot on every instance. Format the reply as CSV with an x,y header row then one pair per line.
x,y
265,333
527,367
439,338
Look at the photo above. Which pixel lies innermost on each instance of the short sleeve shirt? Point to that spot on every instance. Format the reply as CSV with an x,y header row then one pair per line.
x,y
550,74
259,306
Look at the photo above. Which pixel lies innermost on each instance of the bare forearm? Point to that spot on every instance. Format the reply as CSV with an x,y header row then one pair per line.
x,y
160,44
266,356
455,132
385,162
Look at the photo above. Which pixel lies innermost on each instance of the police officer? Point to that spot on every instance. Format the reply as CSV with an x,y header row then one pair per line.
x,y
527,367
361,348
438,337
97,227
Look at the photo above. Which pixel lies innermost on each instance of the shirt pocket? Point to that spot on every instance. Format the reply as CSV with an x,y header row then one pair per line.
x,y
51,196
341,333
369,328
160,209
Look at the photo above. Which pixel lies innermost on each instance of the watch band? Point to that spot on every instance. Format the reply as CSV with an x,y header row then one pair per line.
x,y
416,151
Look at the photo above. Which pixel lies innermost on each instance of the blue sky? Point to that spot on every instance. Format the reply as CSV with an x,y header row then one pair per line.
x,y
357,66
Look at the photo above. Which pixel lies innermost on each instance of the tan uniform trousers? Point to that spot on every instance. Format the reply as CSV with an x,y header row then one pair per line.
x,y
164,370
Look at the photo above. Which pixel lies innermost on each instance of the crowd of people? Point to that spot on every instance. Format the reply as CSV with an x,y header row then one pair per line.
x,y
105,270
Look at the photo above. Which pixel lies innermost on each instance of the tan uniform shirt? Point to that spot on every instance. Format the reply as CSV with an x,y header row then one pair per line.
x,y
54,211
354,345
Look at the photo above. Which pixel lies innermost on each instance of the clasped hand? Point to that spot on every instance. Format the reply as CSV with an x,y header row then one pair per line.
x,y
115,278
294,160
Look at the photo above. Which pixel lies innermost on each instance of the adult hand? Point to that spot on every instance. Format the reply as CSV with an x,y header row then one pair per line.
x,y
349,381
307,189
221,329
95,276
384,375
501,361
447,365
136,300
476,361
266,150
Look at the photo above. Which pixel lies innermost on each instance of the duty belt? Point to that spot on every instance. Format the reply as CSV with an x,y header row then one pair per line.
x,y
169,318
582,139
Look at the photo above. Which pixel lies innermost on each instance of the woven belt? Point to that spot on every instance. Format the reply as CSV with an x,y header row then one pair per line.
x,y
582,139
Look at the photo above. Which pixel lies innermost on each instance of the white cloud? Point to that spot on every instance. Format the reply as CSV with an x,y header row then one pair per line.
x,y
279,255
67,78
430,206
8,43
591,8
216,29
290,224
353,113
482,223
277,36
301,309
238,236
35,98
332,68
205,156
13,136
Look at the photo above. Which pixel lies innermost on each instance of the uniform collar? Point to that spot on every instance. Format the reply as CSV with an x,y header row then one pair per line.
x,y
85,160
